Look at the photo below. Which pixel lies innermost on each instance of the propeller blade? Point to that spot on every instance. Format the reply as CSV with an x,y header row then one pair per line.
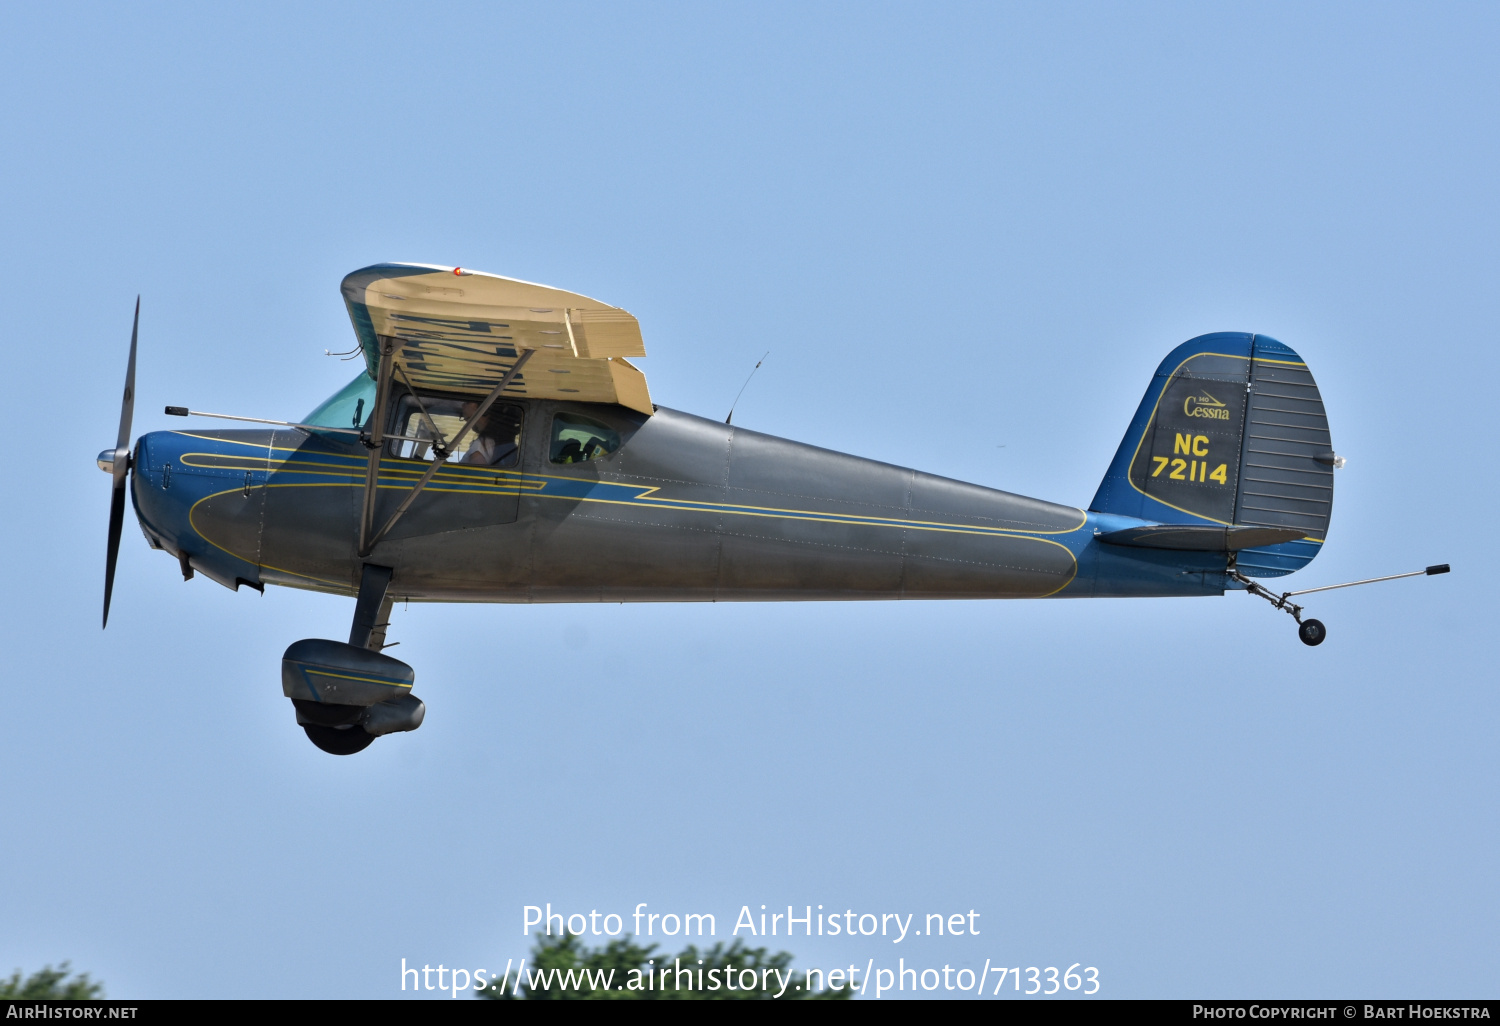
x,y
121,467
127,404
116,522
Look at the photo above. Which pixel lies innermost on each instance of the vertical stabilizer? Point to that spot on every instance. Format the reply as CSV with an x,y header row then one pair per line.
x,y
1232,431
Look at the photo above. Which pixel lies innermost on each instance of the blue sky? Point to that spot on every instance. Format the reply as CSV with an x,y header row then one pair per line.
x,y
966,234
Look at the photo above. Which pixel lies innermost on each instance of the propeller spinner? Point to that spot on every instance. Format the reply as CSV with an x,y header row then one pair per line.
x,y
116,463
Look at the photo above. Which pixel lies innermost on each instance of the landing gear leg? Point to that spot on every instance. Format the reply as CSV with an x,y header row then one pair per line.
x,y
1309,631
372,610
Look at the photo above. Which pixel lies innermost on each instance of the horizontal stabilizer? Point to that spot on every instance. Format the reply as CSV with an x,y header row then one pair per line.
x,y
1200,537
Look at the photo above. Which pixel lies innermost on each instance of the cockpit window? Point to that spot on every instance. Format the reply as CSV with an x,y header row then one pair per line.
x,y
576,439
349,407
495,440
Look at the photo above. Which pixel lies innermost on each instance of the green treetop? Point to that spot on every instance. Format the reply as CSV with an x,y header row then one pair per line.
x,y
562,968
48,983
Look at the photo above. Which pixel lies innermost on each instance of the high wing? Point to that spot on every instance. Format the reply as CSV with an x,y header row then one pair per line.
x,y
457,330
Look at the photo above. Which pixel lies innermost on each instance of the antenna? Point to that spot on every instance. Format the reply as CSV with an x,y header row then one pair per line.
x,y
744,386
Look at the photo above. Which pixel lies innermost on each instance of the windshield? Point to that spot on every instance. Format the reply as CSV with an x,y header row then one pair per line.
x,y
349,407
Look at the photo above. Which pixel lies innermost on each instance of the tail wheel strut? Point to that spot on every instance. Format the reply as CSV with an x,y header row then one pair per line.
x,y
1312,632
1309,631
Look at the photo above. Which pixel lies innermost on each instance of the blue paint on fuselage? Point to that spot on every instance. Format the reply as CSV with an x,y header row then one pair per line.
x,y
176,471
164,490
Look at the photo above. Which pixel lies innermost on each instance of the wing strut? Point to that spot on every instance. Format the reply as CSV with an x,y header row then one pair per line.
x,y
376,441
440,453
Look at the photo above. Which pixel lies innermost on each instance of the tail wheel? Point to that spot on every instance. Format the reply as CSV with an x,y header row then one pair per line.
x,y
338,740
1312,632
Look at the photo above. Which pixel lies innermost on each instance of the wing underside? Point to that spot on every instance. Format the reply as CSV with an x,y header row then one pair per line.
x,y
461,331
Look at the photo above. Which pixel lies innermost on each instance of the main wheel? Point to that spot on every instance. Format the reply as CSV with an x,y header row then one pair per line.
x,y
325,714
338,740
1312,632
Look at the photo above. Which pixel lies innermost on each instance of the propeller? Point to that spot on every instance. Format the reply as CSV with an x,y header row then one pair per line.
x,y
117,463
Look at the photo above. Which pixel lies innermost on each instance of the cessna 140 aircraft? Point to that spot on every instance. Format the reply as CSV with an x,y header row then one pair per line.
x,y
499,446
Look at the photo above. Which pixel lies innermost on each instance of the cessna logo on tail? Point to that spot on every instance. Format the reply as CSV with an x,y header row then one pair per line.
x,y
1205,405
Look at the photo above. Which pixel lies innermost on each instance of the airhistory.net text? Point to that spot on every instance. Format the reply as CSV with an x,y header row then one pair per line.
x,y
806,922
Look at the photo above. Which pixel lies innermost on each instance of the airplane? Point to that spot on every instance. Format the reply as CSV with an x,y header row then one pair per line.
x,y
498,445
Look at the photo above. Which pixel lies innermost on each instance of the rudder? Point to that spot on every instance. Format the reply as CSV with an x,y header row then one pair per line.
x,y
1231,431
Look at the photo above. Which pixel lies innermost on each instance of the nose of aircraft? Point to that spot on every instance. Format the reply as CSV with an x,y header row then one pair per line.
x,y
162,509
109,457
194,499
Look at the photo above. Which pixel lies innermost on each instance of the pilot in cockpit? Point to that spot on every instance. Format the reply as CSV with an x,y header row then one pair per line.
x,y
495,437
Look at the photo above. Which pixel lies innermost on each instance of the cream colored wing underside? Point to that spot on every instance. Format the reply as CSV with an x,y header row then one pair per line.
x,y
460,331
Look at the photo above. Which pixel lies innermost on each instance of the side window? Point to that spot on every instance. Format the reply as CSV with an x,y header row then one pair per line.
x,y
495,440
576,439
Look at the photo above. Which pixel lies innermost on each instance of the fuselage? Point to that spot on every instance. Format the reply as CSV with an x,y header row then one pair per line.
x,y
685,509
